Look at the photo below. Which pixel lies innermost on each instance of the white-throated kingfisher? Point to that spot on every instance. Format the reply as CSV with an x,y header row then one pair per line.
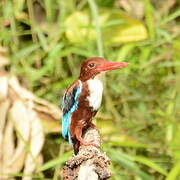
x,y
82,99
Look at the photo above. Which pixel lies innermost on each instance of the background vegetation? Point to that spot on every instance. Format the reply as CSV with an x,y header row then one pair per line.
x,y
139,118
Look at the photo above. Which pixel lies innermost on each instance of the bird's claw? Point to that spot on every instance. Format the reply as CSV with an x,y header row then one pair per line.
x,y
90,144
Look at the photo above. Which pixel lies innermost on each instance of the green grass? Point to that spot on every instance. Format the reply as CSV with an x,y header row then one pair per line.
x,y
139,117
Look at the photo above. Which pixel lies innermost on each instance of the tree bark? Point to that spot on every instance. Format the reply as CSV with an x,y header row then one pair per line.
x,y
90,163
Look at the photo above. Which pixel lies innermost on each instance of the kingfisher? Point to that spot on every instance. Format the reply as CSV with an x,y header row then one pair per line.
x,y
83,98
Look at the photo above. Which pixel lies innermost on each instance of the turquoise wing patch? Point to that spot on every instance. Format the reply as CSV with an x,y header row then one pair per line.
x,y
69,105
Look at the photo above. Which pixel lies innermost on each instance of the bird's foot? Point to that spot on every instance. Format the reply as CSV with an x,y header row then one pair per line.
x,y
85,143
92,125
82,141
90,144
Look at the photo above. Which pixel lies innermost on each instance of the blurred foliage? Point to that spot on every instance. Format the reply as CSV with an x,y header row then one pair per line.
x,y
139,117
116,28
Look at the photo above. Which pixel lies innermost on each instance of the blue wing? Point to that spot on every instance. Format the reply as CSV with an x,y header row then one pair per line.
x,y
69,105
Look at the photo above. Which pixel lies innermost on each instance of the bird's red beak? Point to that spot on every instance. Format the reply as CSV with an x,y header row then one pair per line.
x,y
109,66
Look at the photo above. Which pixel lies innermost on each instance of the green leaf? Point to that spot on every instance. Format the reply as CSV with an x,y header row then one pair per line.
x,y
57,161
128,30
125,50
150,163
129,144
171,17
116,27
127,161
149,18
26,51
175,171
79,28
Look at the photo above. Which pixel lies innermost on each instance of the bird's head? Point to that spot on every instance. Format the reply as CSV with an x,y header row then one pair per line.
x,y
95,65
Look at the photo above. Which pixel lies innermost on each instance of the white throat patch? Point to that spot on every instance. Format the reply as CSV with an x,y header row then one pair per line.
x,y
95,90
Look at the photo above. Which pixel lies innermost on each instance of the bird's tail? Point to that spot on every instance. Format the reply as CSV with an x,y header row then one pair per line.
x,y
76,145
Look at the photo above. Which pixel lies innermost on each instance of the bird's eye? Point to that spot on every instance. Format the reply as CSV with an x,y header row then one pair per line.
x,y
91,65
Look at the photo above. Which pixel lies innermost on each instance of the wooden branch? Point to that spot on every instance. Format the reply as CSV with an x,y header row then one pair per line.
x,y
90,163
